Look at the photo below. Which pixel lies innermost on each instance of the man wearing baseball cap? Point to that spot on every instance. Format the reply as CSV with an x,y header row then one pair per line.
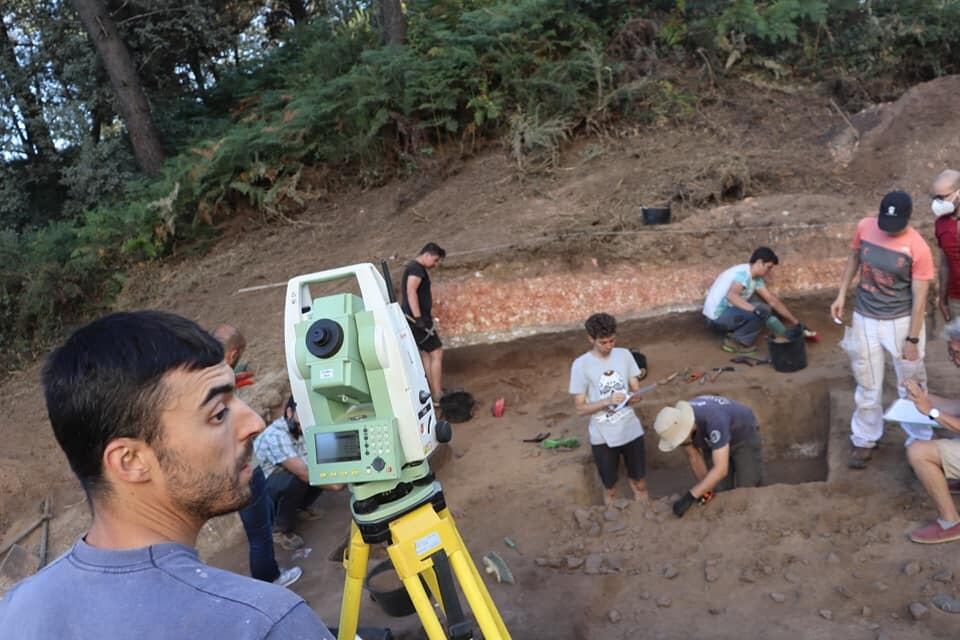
x,y
723,428
895,266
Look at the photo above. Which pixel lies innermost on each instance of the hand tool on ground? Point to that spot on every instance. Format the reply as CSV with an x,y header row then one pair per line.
x,y
670,378
557,443
717,371
749,360
540,437
28,530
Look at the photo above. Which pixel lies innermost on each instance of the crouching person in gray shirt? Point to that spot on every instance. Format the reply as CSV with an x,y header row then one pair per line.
x,y
720,428
142,404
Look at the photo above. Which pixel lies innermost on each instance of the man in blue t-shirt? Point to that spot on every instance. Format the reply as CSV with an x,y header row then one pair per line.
x,y
739,303
143,406
718,427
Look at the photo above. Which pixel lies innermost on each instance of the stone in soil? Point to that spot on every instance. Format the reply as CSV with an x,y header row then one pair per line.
x,y
593,564
582,517
670,572
574,562
711,574
944,575
614,616
664,602
919,611
843,591
946,603
912,568
776,596
613,527
826,614
879,587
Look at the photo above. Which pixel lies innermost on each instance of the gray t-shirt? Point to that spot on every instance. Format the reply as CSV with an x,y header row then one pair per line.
x,y
598,378
720,422
153,593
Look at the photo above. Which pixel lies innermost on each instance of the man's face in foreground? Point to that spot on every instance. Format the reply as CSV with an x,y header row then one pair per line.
x,y
206,444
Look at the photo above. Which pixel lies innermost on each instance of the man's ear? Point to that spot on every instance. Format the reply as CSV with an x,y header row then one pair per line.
x,y
128,460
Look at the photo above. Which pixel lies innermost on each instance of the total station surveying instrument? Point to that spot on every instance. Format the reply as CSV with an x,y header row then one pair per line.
x,y
368,420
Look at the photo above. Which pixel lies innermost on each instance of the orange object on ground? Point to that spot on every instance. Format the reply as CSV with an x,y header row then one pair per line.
x,y
498,406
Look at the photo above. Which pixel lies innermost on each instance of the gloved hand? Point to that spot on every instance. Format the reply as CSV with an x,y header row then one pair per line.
x,y
680,506
761,312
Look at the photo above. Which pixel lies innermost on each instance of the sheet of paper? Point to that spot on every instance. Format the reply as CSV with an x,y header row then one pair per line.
x,y
905,411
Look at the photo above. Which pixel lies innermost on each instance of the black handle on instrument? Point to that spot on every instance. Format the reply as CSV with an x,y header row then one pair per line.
x,y
386,277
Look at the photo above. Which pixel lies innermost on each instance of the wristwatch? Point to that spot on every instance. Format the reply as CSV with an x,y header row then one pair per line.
x,y
934,413
913,340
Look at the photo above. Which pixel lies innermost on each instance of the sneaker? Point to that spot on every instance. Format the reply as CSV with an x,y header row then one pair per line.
x,y
287,541
953,486
859,457
933,533
288,576
311,513
730,345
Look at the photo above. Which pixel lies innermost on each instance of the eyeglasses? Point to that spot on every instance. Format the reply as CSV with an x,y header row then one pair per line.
x,y
943,197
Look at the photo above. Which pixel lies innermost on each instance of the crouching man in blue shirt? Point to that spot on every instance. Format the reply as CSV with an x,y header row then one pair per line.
x,y
143,406
720,428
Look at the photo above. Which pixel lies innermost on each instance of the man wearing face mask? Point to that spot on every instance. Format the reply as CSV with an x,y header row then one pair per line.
x,y
895,267
282,454
944,198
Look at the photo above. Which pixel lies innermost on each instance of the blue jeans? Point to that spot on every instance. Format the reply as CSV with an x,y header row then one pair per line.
x,y
257,520
746,325
289,494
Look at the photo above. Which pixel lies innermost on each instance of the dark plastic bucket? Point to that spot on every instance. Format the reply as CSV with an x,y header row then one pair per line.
x,y
394,602
655,215
790,355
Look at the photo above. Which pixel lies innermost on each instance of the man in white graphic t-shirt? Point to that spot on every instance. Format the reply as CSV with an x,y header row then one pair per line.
x,y
600,381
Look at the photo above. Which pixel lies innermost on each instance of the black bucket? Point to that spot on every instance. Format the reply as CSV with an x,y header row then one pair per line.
x,y
394,602
790,355
655,215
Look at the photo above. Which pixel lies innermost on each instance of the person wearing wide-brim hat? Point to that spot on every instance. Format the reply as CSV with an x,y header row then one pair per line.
x,y
724,428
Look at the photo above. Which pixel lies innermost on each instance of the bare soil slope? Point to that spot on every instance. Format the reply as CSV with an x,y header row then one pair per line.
x,y
753,162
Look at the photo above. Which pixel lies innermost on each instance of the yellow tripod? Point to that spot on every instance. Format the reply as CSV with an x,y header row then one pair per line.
x,y
424,543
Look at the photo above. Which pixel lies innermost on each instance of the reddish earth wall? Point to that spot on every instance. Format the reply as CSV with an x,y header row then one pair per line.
x,y
475,309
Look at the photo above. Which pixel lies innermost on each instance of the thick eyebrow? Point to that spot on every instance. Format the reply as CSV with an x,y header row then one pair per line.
x,y
216,391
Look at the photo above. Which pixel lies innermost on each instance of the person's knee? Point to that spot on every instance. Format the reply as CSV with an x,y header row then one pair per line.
x,y
923,452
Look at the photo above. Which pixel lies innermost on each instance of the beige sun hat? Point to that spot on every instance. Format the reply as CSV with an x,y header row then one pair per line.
x,y
673,425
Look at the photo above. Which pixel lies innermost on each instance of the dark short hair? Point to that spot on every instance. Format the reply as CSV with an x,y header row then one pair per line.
x,y
765,254
601,325
104,382
433,249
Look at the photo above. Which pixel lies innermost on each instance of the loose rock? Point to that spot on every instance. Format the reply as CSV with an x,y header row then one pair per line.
x,y
613,527
866,612
593,564
919,611
946,603
912,568
944,575
715,611
879,587
664,602
776,596
833,558
842,590
711,574
670,572
611,515
614,616
826,614
791,577
574,562
582,517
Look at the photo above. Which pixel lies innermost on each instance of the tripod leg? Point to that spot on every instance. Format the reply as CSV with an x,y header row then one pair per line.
x,y
474,589
428,617
356,565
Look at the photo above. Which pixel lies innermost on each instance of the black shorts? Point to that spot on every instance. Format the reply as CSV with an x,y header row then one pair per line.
x,y
608,461
425,341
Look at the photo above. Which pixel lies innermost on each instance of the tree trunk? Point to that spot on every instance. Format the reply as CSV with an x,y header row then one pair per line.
x,y
134,108
393,25
38,142
298,11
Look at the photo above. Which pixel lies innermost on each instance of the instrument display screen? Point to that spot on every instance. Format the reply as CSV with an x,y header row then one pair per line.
x,y
342,446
